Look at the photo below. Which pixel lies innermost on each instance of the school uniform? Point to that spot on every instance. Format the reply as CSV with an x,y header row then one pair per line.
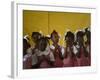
x,y
82,61
89,53
27,61
58,61
48,54
34,61
69,61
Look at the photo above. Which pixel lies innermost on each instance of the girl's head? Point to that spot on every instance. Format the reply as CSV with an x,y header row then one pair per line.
x,y
80,37
55,37
69,38
42,43
35,36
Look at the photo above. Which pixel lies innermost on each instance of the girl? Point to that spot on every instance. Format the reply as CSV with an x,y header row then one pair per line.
x,y
35,37
45,56
69,57
81,54
27,57
56,48
88,44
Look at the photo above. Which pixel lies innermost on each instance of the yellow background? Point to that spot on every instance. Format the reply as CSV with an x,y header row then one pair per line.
x,y
46,22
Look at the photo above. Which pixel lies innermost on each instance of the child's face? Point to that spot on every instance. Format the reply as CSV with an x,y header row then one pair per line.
x,y
55,38
80,39
69,40
42,45
35,38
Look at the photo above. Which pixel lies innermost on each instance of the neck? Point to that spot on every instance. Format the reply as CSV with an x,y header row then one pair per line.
x,y
55,44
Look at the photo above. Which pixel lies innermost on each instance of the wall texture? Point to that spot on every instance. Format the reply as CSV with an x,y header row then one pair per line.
x,y
46,22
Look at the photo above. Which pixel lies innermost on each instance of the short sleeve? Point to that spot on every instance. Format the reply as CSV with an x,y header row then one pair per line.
x,y
51,56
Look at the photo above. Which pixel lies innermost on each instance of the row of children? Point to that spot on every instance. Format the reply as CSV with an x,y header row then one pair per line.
x,y
43,55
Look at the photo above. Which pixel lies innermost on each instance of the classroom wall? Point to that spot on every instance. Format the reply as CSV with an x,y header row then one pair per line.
x,y
46,22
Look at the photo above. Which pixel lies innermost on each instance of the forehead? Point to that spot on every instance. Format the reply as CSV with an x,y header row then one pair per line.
x,y
55,35
42,41
35,36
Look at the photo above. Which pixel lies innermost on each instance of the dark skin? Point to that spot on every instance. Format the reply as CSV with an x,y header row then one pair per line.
x,y
35,36
41,45
26,45
80,40
88,42
55,40
69,44
88,36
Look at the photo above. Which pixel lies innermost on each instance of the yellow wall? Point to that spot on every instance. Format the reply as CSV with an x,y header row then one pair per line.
x,y
49,21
